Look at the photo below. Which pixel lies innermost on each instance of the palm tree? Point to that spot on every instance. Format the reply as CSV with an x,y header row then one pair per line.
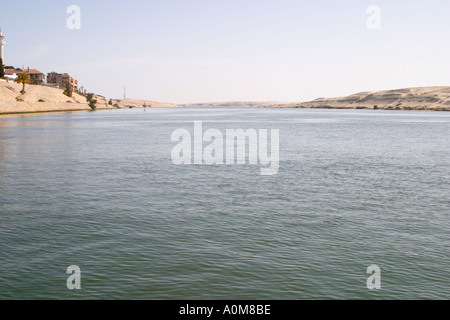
x,y
68,92
23,78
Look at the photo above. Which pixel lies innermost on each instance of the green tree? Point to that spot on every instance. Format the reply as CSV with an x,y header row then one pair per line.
x,y
68,92
92,102
2,68
24,79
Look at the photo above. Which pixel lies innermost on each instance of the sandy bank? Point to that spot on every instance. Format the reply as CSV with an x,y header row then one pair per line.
x,y
40,99
47,99
426,98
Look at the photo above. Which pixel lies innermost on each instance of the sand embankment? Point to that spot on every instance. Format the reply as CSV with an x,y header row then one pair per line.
x,y
426,98
46,99
40,99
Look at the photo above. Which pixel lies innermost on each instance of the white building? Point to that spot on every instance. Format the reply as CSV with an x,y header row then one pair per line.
x,y
11,74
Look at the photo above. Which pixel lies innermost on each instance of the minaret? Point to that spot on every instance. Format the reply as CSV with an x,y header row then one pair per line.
x,y
2,43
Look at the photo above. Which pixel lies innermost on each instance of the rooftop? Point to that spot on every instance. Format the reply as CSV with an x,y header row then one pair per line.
x,y
10,72
32,71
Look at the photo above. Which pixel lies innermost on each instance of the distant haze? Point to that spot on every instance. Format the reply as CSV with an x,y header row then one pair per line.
x,y
191,51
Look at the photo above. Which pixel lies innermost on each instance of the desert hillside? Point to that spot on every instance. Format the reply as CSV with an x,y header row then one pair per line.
x,y
38,99
42,99
427,98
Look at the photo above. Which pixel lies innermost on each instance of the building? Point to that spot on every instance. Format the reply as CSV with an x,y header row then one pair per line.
x,y
2,43
11,74
61,80
35,75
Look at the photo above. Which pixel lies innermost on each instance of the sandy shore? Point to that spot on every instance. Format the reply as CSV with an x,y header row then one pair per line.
x,y
48,99
39,99
426,98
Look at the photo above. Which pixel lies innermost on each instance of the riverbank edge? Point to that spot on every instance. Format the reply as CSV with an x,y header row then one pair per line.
x,y
104,109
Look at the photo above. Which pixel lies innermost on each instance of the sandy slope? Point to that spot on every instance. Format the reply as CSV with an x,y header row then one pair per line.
x,y
37,98
41,98
427,98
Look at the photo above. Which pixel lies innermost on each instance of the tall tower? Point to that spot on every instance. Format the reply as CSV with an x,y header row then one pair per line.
x,y
2,43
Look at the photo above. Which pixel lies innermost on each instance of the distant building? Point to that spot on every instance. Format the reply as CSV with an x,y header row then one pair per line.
x,y
61,80
35,75
11,74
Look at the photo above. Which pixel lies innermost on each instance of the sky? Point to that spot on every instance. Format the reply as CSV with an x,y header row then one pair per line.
x,y
190,51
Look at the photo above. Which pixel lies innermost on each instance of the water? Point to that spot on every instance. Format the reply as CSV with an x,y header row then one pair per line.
x,y
99,190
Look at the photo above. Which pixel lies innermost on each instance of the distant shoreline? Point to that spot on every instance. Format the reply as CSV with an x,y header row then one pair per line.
x,y
105,109
409,99
42,99
73,110
317,108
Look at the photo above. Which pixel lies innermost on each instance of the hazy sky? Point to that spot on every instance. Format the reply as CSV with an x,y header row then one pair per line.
x,y
232,50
